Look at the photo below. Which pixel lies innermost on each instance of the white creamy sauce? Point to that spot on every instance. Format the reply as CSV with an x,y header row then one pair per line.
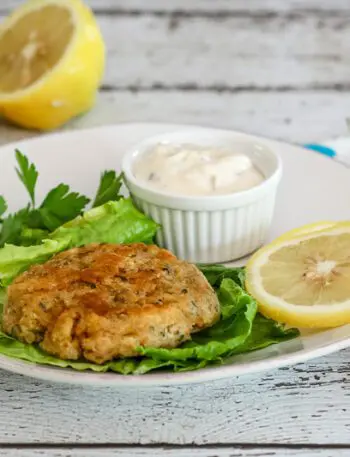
x,y
190,170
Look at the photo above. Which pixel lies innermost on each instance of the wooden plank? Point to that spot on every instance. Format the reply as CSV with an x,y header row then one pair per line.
x,y
291,116
208,5
307,404
227,52
177,452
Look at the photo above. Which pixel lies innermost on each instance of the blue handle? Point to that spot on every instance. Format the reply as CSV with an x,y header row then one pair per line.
x,y
322,149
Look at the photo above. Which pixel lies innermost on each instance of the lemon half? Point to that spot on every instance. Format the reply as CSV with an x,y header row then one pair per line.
x,y
304,280
51,63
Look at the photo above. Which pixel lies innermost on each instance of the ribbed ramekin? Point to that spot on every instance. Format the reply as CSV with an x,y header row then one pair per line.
x,y
215,228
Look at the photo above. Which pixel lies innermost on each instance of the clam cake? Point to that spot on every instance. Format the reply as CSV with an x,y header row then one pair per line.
x,y
103,301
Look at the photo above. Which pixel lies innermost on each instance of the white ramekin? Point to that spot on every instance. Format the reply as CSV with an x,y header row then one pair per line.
x,y
209,229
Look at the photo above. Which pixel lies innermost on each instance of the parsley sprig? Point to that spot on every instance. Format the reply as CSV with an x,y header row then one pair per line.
x,y
29,225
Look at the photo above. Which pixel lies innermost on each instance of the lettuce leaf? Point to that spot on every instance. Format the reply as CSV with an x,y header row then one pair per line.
x,y
113,222
264,333
15,259
240,329
216,273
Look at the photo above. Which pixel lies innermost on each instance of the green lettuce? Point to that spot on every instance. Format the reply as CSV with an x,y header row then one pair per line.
x,y
113,222
240,329
216,273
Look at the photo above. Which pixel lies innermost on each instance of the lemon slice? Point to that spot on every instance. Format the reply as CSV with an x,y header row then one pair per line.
x,y
304,281
51,63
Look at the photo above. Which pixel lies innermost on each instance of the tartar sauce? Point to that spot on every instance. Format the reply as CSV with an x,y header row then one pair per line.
x,y
190,170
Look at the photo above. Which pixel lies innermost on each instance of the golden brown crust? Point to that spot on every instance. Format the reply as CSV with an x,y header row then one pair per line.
x,y
102,301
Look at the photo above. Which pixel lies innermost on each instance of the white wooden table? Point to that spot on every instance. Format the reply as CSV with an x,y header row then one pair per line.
x,y
280,68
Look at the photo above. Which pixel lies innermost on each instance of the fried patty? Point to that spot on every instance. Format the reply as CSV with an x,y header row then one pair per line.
x,y
102,301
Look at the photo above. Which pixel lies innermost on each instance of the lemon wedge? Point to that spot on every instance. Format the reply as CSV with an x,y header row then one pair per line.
x,y
51,63
304,280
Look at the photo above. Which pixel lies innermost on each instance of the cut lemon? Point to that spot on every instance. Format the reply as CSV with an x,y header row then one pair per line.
x,y
51,63
304,281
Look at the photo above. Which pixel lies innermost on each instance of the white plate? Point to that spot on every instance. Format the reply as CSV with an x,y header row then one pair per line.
x,y
313,188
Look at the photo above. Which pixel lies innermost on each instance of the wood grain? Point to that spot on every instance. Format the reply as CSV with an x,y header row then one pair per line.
x,y
156,52
178,452
293,116
305,404
278,6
